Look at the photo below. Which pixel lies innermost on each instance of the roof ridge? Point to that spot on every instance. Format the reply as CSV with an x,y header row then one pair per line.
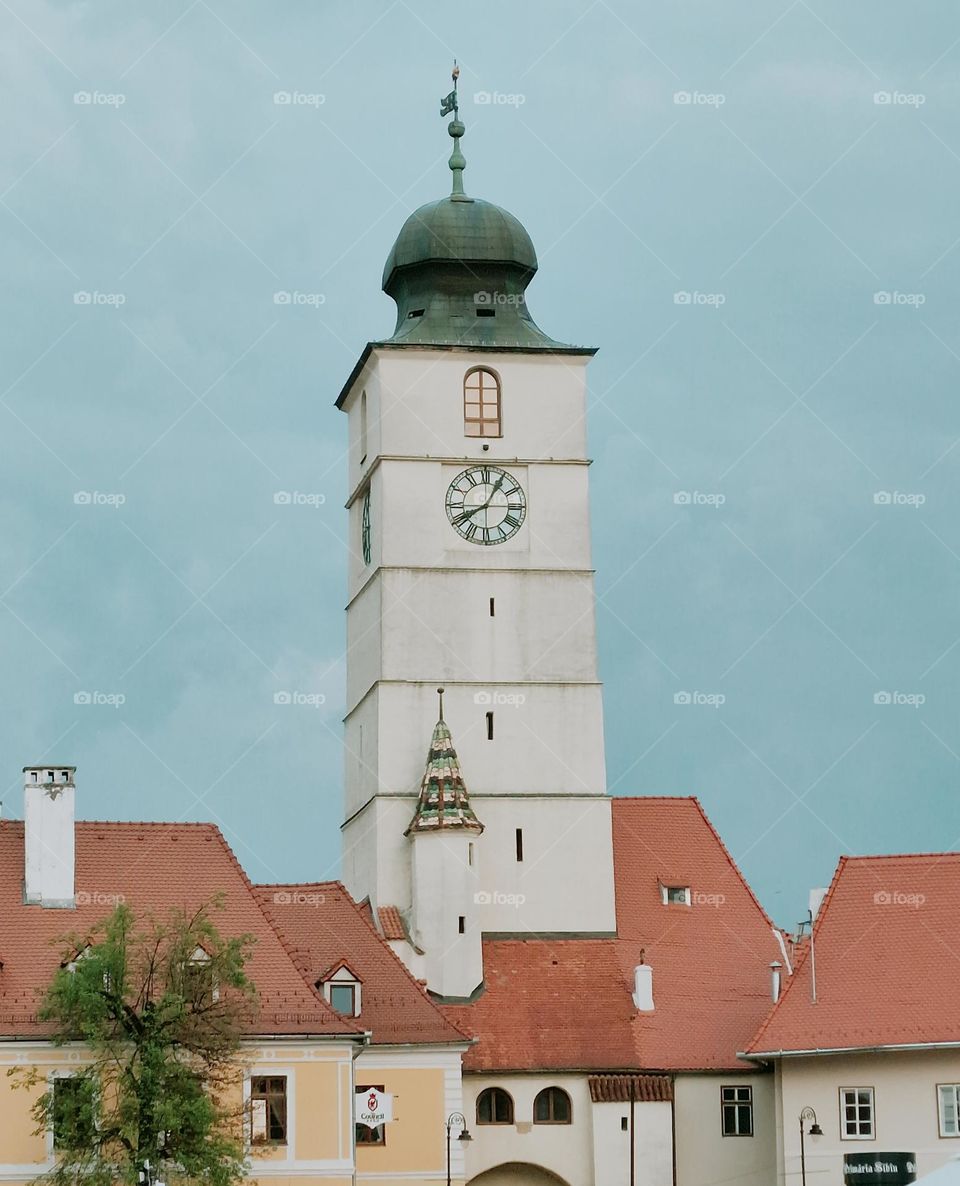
x,y
733,864
801,963
359,910
288,952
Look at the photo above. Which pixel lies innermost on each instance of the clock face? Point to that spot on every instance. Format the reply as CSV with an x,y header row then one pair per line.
x,y
486,505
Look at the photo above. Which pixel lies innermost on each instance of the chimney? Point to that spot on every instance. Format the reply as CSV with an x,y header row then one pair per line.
x,y
643,988
775,980
48,843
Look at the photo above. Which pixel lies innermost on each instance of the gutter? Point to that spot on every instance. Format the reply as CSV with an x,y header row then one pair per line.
x,y
879,1049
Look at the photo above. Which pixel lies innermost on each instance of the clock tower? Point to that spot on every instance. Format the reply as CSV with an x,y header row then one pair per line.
x,y
470,569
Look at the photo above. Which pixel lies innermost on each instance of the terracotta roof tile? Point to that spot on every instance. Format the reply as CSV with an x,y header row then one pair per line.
x,y
885,960
391,924
557,1004
326,927
711,959
552,1004
616,1089
153,867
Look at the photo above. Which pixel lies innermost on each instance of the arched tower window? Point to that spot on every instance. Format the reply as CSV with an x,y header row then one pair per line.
x,y
494,1106
363,427
481,403
552,1106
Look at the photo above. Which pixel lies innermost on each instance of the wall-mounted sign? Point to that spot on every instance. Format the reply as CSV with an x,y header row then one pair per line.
x,y
879,1169
373,1108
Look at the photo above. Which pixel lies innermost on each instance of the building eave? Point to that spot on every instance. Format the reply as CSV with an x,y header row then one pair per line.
x,y
582,351
882,1048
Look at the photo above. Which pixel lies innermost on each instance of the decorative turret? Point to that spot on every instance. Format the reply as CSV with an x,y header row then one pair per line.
x,y
460,267
444,802
443,833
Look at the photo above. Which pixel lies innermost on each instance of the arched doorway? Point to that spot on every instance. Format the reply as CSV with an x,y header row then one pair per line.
x,y
517,1173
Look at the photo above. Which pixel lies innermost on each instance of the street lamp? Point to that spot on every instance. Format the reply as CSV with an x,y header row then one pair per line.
x,y
456,1119
815,1131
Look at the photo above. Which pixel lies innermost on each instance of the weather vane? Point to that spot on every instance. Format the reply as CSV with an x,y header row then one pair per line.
x,y
450,103
456,129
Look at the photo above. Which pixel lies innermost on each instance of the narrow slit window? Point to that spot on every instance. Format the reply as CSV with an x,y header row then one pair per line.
x,y
462,925
491,608
486,312
489,726
363,427
481,403
519,844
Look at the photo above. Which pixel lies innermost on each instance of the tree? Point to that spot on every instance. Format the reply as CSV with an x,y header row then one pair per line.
x,y
160,1008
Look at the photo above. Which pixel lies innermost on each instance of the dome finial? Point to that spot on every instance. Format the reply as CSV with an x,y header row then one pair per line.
x,y
456,129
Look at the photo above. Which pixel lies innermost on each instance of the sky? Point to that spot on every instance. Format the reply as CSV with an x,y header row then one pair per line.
x,y
750,210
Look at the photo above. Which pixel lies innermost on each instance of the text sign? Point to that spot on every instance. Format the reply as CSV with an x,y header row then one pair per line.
x,y
879,1169
373,1108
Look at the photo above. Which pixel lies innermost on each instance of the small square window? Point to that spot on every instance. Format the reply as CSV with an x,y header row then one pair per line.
x,y
343,998
856,1114
736,1109
675,895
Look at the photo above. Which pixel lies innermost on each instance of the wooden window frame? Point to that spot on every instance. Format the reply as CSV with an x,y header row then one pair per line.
x,y
551,1093
267,1093
847,1136
477,422
370,1138
493,1092
735,1104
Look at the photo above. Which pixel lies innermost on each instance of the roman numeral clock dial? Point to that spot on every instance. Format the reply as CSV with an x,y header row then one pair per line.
x,y
486,505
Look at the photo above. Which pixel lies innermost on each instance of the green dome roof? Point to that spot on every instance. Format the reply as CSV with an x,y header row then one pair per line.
x,y
467,230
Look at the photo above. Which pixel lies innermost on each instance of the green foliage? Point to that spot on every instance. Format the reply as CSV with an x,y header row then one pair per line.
x,y
160,1008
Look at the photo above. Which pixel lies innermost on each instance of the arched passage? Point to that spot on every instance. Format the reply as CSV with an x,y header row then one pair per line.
x,y
517,1173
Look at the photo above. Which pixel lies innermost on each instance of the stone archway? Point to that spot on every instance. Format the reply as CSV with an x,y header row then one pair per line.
x,y
517,1173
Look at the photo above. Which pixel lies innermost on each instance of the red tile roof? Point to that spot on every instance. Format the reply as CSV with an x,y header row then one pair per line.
x,y
552,1004
153,867
391,924
325,927
886,961
711,959
620,1089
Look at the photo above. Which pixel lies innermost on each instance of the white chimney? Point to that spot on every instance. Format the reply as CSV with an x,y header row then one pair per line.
x,y
48,817
643,988
775,980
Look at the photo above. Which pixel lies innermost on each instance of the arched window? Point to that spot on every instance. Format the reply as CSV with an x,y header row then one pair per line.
x,y
552,1106
494,1106
363,427
481,403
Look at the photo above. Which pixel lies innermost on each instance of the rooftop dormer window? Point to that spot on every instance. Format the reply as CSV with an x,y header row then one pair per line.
x,y
341,990
200,987
675,895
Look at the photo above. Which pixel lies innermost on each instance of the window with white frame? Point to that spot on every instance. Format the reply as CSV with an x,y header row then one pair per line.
x,y
675,895
341,989
948,1096
736,1111
857,1120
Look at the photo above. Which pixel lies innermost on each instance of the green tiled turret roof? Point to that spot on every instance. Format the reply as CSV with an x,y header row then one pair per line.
x,y
444,801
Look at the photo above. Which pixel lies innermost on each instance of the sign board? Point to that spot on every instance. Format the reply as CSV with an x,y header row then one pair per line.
x,y
879,1169
373,1108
